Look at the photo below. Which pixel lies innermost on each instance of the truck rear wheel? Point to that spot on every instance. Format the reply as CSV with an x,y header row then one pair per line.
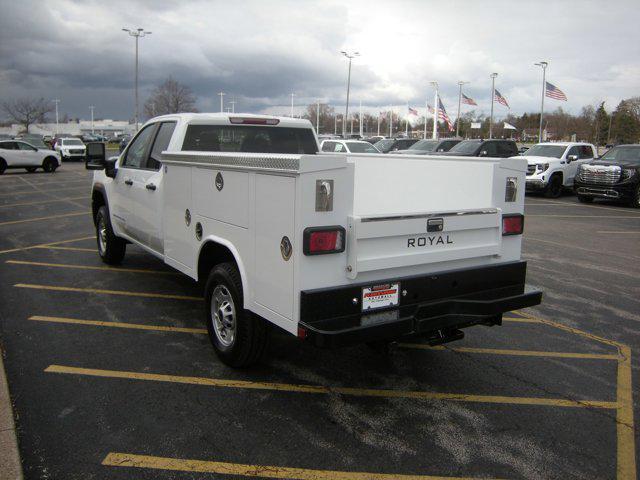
x,y
238,336
110,247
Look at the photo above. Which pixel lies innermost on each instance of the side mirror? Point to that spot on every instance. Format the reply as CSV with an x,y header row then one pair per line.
x,y
95,156
571,158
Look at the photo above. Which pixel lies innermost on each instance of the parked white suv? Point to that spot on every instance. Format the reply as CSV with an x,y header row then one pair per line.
x,y
553,166
71,149
20,154
348,146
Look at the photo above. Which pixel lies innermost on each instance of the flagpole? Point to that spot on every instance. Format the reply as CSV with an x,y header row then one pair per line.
x,y
493,97
460,83
544,87
436,107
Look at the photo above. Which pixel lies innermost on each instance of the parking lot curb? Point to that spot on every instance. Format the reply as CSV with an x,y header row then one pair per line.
x,y
10,465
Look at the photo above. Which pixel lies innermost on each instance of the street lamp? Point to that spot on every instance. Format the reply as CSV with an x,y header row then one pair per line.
x,y
493,97
460,84
436,108
292,95
221,94
137,33
56,101
91,107
350,56
544,85
233,105
318,116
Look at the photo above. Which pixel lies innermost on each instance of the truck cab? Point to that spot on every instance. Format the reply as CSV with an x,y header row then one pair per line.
x,y
335,249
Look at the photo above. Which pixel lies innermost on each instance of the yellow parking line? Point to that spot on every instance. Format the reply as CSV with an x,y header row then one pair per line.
x,y
50,217
73,249
521,353
117,459
106,292
626,458
46,245
24,192
520,320
92,267
134,326
40,202
320,389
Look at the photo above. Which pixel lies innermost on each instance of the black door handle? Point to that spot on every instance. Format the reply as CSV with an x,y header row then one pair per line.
x,y
128,182
150,186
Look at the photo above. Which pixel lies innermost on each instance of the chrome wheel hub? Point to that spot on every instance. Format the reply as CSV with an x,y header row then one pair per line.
x,y
102,235
223,315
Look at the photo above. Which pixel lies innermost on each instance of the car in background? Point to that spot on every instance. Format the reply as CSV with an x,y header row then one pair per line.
x,y
21,154
374,139
348,146
328,136
393,144
71,148
482,148
34,140
522,149
5,136
123,142
552,167
614,176
423,147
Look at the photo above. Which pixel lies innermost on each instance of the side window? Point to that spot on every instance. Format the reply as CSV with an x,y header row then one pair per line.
x,y
8,146
490,148
24,146
135,157
575,150
586,152
339,147
160,144
328,146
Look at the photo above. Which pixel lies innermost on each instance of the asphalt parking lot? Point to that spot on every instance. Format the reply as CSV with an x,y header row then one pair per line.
x,y
112,375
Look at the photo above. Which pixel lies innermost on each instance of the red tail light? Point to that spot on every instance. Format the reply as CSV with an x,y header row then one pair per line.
x,y
512,224
322,240
254,121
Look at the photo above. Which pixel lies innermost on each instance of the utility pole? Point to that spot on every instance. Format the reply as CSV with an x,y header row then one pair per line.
x,y
137,33
544,88
292,95
493,97
350,56
233,105
317,116
91,108
56,101
436,109
460,84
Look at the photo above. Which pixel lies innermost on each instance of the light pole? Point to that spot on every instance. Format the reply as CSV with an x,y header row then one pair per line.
x,y
335,124
56,101
460,84
292,95
350,56
390,122
137,33
233,105
436,108
318,116
360,121
221,95
544,87
493,97
91,107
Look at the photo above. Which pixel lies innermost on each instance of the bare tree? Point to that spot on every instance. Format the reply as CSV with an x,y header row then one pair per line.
x,y
27,111
170,97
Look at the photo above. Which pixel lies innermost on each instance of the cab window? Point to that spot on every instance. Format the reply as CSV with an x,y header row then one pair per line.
x,y
575,150
160,144
586,152
139,148
490,148
338,148
328,146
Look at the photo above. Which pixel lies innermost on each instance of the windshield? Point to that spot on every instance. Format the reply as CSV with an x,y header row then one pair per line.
x,y
361,147
622,154
71,141
245,138
383,145
468,146
554,151
424,146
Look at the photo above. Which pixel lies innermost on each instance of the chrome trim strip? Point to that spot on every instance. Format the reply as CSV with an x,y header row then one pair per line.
x,y
248,161
487,211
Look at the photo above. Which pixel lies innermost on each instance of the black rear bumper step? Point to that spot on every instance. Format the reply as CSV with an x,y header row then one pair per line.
x,y
465,297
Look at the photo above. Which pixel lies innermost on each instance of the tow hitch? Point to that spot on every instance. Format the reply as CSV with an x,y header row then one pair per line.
x,y
445,336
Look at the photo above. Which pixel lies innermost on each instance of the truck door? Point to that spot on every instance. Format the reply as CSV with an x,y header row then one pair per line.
x,y
148,193
122,203
28,155
571,164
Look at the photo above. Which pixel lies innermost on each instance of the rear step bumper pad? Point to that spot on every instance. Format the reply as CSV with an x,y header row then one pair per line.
x,y
440,301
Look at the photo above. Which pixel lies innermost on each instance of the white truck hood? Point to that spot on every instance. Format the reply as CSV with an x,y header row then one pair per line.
x,y
532,160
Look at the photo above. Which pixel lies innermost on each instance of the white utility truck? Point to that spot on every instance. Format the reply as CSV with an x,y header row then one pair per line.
x,y
335,249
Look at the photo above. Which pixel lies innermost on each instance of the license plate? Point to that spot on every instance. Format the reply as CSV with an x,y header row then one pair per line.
x,y
380,296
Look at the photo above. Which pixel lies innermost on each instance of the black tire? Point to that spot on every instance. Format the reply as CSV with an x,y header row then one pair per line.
x,y
49,165
585,199
635,199
554,187
110,248
31,169
3,166
238,336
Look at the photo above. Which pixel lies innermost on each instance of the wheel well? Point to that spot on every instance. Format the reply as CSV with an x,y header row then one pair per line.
x,y
97,201
558,174
211,254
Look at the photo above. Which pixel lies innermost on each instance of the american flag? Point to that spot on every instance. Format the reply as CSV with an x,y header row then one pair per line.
x,y
554,92
500,99
442,115
468,101
413,111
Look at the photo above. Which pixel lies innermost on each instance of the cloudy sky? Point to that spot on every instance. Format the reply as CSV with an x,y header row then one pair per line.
x,y
261,51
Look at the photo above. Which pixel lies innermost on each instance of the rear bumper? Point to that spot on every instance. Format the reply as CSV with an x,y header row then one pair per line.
x,y
428,304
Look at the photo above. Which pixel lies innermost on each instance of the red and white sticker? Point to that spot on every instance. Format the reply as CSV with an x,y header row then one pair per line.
x,y
380,296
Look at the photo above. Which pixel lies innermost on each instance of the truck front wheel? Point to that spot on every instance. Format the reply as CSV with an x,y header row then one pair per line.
x,y
238,336
554,187
110,247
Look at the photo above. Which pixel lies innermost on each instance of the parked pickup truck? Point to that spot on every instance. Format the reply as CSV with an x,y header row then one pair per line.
x,y
335,249
553,166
